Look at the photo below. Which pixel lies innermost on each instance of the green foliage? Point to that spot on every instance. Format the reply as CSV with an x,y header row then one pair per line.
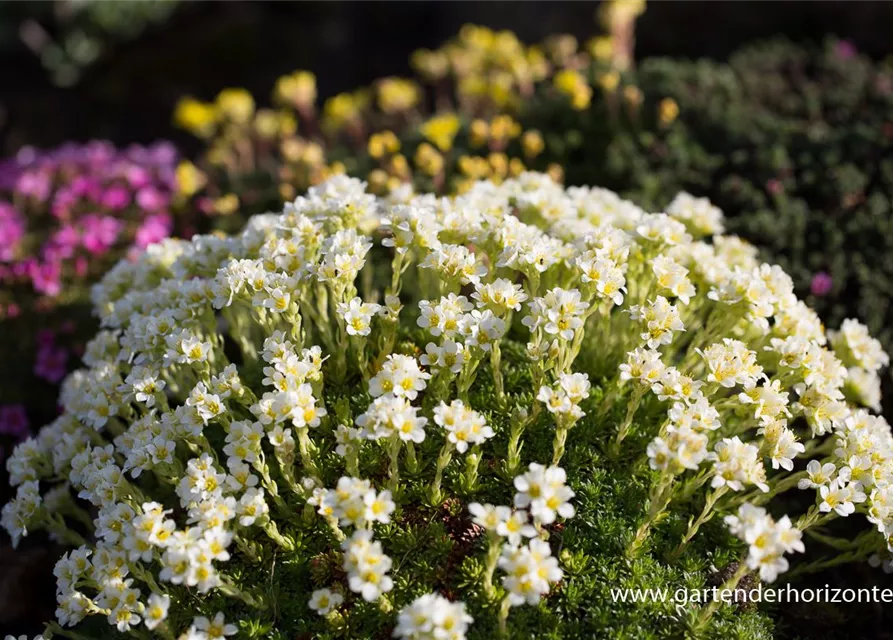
x,y
70,37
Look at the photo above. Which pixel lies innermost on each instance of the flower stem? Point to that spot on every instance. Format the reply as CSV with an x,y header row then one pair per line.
x,y
496,366
658,501
493,551
394,467
446,454
625,426
703,618
504,609
706,514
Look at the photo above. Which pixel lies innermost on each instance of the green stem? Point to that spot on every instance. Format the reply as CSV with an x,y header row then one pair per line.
x,y
496,366
703,618
394,446
446,454
706,514
227,587
504,609
558,445
625,426
659,499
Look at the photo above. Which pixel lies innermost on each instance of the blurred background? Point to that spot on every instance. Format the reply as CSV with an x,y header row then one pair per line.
x,y
81,69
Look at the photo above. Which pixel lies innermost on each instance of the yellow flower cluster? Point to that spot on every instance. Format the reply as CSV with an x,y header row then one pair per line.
x,y
478,82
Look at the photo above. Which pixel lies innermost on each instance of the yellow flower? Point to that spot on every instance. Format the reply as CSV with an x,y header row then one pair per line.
x,y
618,12
479,131
538,64
339,110
287,192
428,160
399,166
667,111
235,105
601,47
609,81
555,172
441,130
287,123
532,143
633,95
431,65
516,167
291,149
474,167
561,47
397,94
344,109
226,205
383,143
504,128
313,155
195,116
573,84
501,89
500,163
378,181
190,179
298,88
266,123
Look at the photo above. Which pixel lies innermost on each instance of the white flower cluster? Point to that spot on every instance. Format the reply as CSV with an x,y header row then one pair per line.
x,y
768,539
235,379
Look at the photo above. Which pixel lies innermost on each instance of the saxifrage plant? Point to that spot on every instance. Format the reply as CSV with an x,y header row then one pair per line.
x,y
450,418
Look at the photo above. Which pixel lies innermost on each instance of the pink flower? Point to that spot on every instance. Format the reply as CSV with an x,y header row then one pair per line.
x,y
46,278
115,198
100,233
151,199
51,363
138,177
12,230
62,244
775,187
153,229
63,204
34,184
81,266
14,421
845,49
821,284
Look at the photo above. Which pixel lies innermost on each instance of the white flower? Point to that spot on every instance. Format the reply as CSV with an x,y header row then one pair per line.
x,y
499,296
768,540
433,617
156,610
358,316
543,491
450,356
400,375
464,426
324,601
389,416
212,629
530,571
515,526
488,516
366,566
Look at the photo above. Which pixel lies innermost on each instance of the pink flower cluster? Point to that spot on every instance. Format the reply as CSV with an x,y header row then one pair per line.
x,y
64,210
